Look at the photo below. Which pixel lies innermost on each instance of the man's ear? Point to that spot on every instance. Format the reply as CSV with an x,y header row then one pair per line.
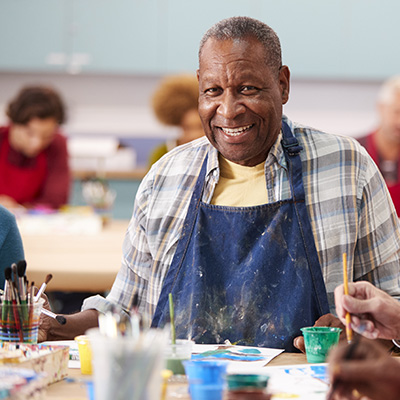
x,y
284,81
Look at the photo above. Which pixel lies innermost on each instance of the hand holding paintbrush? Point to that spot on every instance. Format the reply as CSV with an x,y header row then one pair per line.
x,y
59,318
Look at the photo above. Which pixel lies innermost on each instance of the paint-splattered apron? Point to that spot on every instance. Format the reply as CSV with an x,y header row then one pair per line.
x,y
247,274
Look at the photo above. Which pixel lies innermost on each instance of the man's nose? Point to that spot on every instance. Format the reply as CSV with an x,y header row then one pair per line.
x,y
230,106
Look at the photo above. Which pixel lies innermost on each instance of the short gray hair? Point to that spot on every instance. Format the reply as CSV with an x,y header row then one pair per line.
x,y
389,89
244,27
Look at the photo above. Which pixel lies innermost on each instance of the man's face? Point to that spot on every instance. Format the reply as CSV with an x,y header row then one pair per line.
x,y
34,137
241,98
390,119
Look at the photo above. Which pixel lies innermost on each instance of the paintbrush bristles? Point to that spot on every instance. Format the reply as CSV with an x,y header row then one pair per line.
x,y
8,273
48,278
21,268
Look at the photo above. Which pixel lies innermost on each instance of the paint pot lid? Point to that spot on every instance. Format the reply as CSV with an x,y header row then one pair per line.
x,y
237,381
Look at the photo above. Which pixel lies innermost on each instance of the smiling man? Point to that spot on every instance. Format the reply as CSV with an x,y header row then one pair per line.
x,y
247,227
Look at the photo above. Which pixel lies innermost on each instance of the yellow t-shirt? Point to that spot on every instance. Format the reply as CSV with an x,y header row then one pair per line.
x,y
240,186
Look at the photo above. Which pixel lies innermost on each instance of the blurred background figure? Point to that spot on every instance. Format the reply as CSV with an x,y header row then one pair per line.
x,y
384,143
11,247
175,103
34,167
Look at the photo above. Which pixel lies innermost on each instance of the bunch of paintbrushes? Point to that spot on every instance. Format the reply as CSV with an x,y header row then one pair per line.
x,y
114,324
16,303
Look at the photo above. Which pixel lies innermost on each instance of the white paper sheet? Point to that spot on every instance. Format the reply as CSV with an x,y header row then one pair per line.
x,y
303,381
73,351
244,366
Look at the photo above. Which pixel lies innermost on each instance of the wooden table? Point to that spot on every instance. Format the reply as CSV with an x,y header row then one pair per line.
x,y
79,263
65,390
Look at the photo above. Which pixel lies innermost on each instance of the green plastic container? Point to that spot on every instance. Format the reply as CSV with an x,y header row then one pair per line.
x,y
318,341
245,381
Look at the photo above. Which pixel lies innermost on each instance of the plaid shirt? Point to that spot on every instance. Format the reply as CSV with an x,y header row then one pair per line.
x,y
348,204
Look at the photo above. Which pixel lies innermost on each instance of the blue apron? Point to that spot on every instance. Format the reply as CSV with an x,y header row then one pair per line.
x,y
247,274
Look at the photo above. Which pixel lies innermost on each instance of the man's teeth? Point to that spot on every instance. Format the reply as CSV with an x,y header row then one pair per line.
x,y
236,131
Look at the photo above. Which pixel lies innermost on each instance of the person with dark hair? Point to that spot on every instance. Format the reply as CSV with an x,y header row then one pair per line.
x,y
246,227
175,103
34,167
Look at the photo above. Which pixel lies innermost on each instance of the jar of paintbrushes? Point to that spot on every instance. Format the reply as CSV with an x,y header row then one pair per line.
x,y
19,309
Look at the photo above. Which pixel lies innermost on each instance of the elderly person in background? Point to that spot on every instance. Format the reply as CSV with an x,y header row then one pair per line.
x,y
384,143
246,227
34,167
175,103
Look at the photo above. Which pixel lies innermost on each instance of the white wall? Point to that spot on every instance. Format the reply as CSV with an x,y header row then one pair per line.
x,y
120,105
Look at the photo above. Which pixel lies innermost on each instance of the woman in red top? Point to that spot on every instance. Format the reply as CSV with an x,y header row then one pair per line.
x,y
34,167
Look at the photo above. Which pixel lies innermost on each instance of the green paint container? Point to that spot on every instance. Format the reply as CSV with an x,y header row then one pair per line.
x,y
176,353
318,341
245,381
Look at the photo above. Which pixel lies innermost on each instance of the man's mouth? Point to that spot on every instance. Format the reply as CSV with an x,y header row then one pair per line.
x,y
236,131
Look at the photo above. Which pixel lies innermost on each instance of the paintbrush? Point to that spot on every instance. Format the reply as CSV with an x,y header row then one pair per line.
x,y
172,318
351,348
59,318
7,294
43,287
349,331
15,283
14,306
21,269
135,317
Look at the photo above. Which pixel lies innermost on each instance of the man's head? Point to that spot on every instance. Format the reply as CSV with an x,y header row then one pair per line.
x,y
243,87
389,109
35,115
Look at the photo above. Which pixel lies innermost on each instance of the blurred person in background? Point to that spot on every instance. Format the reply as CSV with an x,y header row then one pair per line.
x,y
34,167
11,248
384,143
175,103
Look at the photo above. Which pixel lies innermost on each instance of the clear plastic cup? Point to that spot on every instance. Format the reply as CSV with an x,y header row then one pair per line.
x,y
20,323
176,354
127,367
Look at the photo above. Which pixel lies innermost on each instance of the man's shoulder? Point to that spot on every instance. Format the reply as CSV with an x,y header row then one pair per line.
x,y
324,141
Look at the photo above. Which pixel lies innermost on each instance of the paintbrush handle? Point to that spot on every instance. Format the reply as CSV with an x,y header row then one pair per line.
x,y
39,293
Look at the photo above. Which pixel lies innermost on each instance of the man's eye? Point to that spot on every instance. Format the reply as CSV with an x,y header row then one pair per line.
x,y
248,88
212,91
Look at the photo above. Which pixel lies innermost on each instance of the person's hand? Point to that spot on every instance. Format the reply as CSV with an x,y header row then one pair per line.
x,y
325,320
374,313
370,372
45,321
